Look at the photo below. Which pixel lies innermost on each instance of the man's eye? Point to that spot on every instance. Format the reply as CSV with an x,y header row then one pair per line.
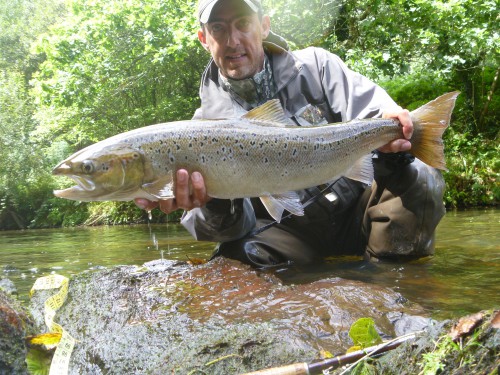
x,y
87,167
216,28
244,24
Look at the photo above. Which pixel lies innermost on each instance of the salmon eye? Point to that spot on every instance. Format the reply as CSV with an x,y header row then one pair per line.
x,y
87,167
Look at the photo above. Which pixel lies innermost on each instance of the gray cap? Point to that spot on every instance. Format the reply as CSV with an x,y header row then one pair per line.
x,y
205,8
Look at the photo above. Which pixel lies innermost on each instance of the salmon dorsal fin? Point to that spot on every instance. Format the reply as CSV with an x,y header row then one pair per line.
x,y
270,113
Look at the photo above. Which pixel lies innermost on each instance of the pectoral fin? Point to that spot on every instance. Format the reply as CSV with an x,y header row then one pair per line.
x,y
362,170
276,204
161,188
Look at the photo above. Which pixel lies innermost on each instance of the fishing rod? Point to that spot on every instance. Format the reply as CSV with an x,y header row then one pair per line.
x,y
318,367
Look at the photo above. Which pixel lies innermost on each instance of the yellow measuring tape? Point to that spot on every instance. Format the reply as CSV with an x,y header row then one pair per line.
x,y
60,361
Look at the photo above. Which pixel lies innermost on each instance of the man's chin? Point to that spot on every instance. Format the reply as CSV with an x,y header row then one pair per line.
x,y
239,71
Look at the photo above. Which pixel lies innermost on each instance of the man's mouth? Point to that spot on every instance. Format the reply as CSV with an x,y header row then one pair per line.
x,y
235,57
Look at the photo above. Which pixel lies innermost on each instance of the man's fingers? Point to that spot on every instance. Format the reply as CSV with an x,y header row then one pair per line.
x,y
404,119
183,197
199,190
398,145
168,205
182,194
145,204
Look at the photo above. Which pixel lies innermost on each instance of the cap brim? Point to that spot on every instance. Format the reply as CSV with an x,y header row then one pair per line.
x,y
205,14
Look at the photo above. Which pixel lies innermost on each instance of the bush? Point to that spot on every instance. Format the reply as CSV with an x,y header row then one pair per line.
x,y
473,163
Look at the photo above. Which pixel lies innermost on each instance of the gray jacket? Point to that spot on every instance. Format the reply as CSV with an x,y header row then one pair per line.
x,y
314,86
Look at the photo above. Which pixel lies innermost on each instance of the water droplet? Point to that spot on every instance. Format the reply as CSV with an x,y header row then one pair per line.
x,y
232,207
150,215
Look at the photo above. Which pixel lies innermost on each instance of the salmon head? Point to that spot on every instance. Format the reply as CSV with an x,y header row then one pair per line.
x,y
115,172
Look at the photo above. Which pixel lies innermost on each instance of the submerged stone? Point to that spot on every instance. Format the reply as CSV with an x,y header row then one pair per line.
x,y
222,317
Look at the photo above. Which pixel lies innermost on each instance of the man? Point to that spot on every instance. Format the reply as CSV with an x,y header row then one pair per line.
x,y
394,218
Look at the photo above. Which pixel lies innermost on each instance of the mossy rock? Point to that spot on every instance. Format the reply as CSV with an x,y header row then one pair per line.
x,y
222,317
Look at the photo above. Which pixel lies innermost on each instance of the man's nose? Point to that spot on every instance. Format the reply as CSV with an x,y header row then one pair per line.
x,y
233,37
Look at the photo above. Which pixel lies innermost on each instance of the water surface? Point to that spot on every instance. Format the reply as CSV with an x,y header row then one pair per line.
x,y
462,277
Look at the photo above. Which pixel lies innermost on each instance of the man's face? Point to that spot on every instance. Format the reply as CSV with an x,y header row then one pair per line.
x,y
234,37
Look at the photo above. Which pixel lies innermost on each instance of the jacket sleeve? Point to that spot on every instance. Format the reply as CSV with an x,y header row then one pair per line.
x,y
217,222
351,94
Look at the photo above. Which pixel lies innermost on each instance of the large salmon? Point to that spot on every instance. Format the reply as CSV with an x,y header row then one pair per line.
x,y
256,155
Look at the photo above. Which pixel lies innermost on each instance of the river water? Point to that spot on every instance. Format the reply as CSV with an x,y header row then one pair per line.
x,y
462,277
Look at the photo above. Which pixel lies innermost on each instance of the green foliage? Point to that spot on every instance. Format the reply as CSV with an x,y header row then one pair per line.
x,y
111,213
456,41
446,350
363,333
38,361
303,23
114,66
473,175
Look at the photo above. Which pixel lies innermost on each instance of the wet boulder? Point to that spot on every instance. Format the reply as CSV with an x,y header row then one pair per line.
x,y
221,317
15,325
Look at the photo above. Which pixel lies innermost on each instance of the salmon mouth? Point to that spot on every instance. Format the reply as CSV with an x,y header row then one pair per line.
x,y
79,191
83,183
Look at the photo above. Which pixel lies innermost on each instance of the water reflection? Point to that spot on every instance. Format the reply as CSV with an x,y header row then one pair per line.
x,y
462,277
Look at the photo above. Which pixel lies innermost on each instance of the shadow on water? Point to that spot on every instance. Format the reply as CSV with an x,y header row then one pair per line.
x,y
462,277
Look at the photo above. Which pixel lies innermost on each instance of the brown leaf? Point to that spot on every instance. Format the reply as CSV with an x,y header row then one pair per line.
x,y
196,261
466,325
495,321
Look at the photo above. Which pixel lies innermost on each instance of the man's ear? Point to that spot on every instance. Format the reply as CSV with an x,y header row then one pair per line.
x,y
203,39
265,26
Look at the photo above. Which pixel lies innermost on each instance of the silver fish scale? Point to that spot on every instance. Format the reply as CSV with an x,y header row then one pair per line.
x,y
268,159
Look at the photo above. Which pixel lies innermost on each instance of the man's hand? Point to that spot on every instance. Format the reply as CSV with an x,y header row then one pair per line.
x,y
399,145
183,198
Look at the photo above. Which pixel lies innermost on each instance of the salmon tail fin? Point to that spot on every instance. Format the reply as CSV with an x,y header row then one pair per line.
x,y
429,123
